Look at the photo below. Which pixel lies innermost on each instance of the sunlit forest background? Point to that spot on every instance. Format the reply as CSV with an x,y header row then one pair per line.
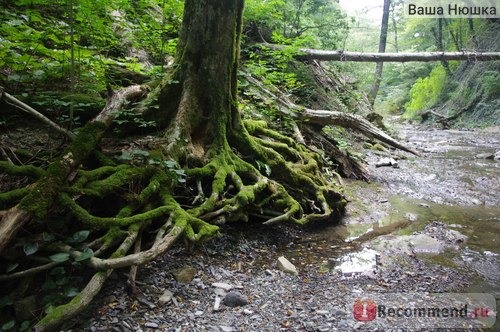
x,y
56,54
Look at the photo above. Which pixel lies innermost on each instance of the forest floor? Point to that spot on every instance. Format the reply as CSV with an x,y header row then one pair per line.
x,y
444,203
429,225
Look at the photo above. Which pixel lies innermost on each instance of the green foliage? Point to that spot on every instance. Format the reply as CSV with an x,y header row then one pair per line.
x,y
35,42
127,118
426,92
317,23
491,84
274,67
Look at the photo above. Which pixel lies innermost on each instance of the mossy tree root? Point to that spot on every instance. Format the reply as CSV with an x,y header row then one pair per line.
x,y
64,312
43,194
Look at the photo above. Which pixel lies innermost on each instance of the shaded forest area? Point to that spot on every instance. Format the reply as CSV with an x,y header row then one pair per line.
x,y
155,144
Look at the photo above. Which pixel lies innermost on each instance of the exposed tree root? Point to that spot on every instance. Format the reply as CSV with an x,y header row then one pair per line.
x,y
254,171
262,173
83,299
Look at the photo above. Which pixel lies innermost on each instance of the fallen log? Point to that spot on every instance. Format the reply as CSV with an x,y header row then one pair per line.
x,y
312,54
443,120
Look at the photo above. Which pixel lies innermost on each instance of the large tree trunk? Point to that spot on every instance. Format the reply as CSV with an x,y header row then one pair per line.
x,y
199,99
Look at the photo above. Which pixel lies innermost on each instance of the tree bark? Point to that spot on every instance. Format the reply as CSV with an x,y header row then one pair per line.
x,y
381,49
199,99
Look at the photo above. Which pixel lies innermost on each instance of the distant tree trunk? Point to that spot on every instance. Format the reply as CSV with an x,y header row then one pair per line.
x,y
394,25
438,37
381,49
452,34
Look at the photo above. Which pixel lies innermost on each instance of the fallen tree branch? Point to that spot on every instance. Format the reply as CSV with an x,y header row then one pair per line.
x,y
352,121
11,100
326,117
443,120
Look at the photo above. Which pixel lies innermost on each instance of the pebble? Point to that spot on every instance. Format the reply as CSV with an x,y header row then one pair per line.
x,y
247,312
184,274
286,266
146,302
151,325
222,285
235,299
485,156
217,304
227,328
166,297
219,292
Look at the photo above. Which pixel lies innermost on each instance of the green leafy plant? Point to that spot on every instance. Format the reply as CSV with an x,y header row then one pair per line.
x,y
426,92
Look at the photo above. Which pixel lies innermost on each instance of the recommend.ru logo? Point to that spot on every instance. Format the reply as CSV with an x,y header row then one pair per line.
x,y
418,310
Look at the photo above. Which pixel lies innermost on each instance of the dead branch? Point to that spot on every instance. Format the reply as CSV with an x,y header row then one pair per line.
x,y
11,100
443,120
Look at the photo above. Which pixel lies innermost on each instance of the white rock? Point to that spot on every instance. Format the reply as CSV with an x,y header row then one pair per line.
x,y
227,328
219,292
217,304
166,297
222,285
285,266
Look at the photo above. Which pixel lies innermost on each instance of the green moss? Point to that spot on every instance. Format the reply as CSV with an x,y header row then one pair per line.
x,y
86,140
102,159
85,176
253,125
155,184
118,179
112,235
25,170
103,222
59,312
13,196
43,194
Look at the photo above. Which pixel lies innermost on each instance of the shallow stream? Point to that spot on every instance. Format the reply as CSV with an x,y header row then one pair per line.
x,y
442,207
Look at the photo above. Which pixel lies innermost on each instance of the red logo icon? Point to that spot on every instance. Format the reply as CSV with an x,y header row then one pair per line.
x,y
365,310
